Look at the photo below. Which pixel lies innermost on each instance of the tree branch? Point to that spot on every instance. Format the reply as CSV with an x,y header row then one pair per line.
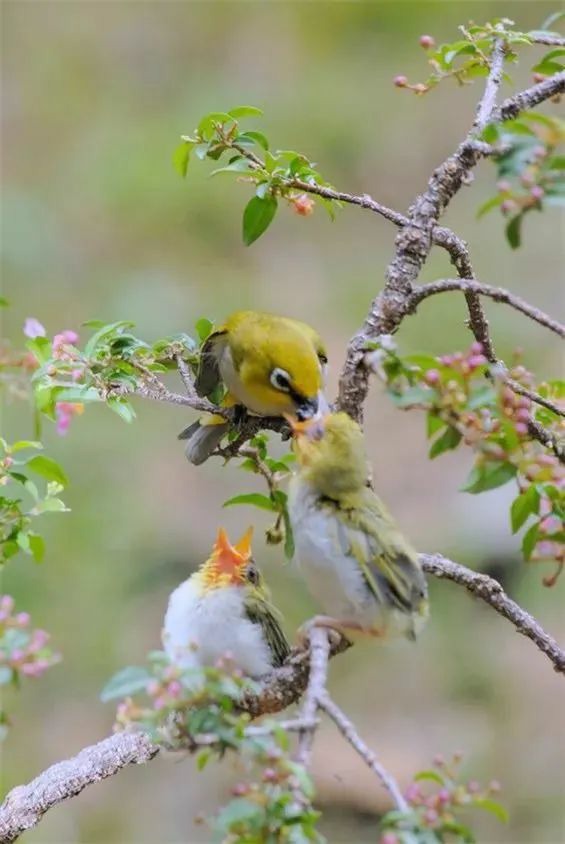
x,y
319,654
350,734
490,591
498,294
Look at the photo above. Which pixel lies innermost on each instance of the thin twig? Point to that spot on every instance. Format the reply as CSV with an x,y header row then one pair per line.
x,y
491,591
488,100
498,294
186,376
350,734
535,397
319,654
548,39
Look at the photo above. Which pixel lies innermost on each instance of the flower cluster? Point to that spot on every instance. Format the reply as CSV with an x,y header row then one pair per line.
x,y
24,652
468,401
435,797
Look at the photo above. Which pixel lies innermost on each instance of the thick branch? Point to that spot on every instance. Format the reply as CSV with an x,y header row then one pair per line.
x,y
350,734
492,593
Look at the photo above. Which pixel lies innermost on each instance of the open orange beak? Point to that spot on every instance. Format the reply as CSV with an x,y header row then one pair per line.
x,y
312,428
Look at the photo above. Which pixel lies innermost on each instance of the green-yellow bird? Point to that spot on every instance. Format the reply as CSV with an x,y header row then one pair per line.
x,y
356,562
271,365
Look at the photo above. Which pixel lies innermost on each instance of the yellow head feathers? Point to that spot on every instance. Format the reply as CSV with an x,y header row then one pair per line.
x,y
331,453
229,565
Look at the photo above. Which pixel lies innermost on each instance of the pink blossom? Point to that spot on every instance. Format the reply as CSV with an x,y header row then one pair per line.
x,y
64,412
33,328
22,619
39,639
7,603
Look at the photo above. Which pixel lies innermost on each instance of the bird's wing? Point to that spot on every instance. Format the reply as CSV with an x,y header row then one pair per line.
x,y
263,613
388,562
208,376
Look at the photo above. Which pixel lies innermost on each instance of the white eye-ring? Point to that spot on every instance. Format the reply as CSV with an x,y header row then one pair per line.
x,y
280,379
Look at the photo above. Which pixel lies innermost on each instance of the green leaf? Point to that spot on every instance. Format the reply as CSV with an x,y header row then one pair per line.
x,y
5,675
204,328
482,397
47,468
529,540
448,440
254,498
240,811
40,347
123,408
256,137
128,681
4,302
434,776
241,165
51,505
257,217
493,202
37,546
556,163
206,125
245,111
513,231
489,476
434,423
523,506
181,157
490,133
493,807
21,444
202,759
77,394
549,21
104,332
412,396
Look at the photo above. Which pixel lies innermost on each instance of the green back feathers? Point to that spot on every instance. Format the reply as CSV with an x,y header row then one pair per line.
x,y
261,611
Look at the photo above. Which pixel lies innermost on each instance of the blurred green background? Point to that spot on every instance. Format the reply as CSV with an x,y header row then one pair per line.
x,y
96,224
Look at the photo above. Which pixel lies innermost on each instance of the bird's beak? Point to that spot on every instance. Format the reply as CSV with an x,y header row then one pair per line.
x,y
312,429
307,409
243,547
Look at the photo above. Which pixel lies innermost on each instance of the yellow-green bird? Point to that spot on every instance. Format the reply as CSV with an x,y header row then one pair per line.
x,y
355,560
269,364
225,607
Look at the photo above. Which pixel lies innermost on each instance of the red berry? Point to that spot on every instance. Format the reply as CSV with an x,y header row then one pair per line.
x,y
400,81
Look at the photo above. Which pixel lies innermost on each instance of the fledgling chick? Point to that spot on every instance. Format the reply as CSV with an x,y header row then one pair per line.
x,y
225,607
356,562
270,365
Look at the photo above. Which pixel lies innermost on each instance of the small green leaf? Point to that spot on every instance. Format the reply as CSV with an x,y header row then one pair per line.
x,y
245,111
204,328
448,440
529,540
4,302
489,476
257,217
490,133
482,397
412,396
434,423
77,394
493,202
254,498
128,681
123,408
241,165
181,157
21,444
104,332
37,546
241,811
523,506
47,468
434,776
256,137
513,231
493,807
40,347
202,759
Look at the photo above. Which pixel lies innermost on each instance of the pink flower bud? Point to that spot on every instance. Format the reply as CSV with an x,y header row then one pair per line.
x,y
22,619
473,787
270,775
389,838
477,348
503,186
160,702
431,816
427,42
521,428
153,688
39,639
477,360
494,786
522,414
443,795
174,688
508,206
439,760
30,669
17,655
400,81
431,377
547,460
33,328
537,192
413,793
3,616
7,603
240,789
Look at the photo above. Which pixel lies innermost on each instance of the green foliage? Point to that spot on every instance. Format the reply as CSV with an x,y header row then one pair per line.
x,y
21,500
279,174
530,169
433,815
197,709
466,402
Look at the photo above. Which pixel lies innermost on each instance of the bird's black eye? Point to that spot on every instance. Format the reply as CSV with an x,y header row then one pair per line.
x,y
280,379
322,358
252,574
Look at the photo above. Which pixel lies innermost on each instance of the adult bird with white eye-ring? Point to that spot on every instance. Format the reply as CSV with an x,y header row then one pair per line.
x,y
270,365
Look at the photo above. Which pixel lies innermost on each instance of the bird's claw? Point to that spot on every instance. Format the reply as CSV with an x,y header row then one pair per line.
x,y
331,625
